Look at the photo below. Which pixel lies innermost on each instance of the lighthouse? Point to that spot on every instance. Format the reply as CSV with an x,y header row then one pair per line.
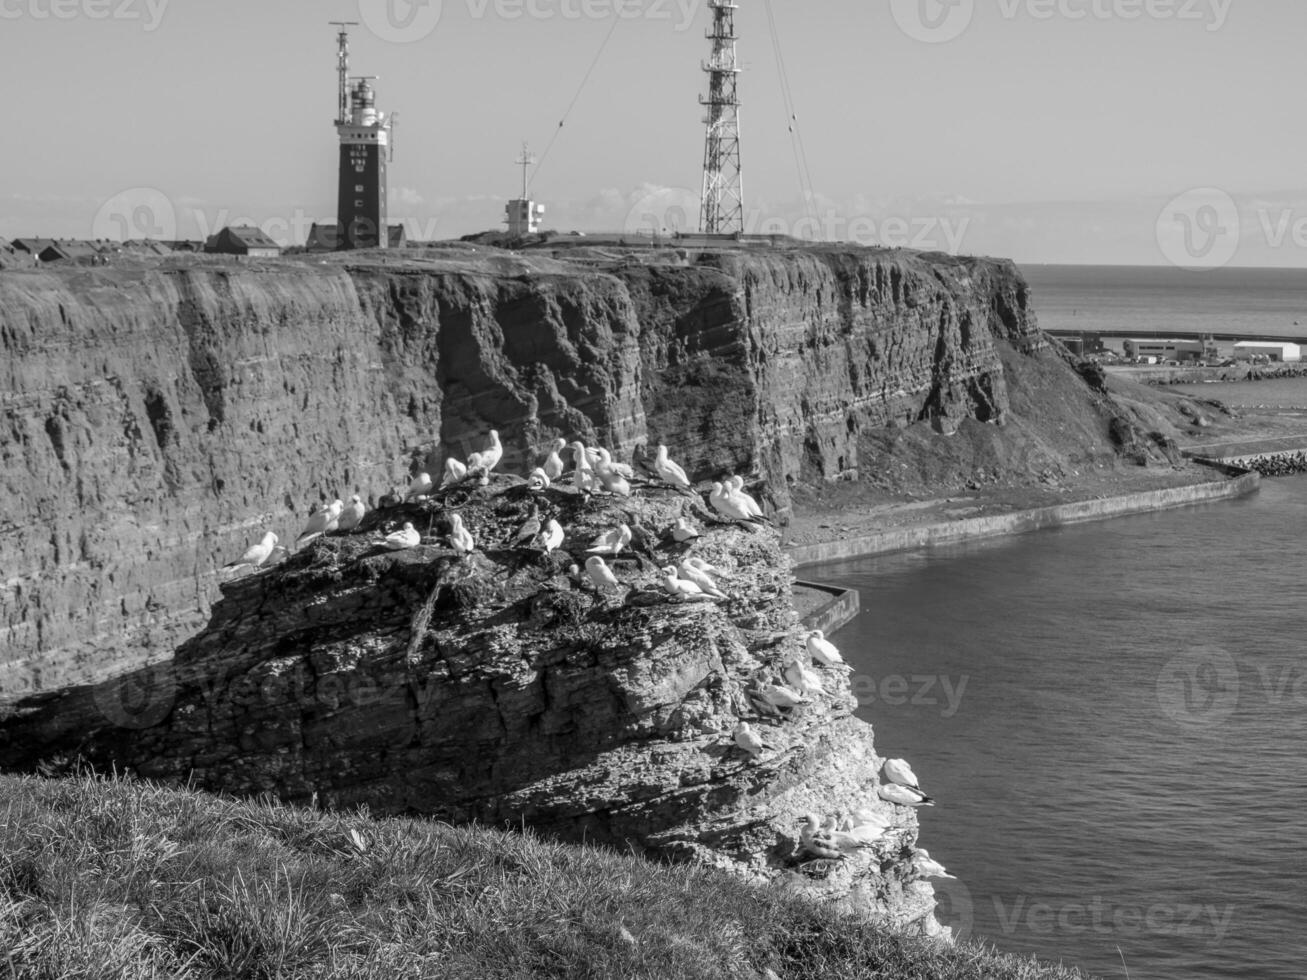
x,y
365,147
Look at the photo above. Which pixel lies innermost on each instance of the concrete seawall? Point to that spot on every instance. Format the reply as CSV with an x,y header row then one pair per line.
x,y
841,610
1020,522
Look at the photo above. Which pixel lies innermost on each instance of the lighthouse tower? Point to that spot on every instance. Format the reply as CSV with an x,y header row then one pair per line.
x,y
365,140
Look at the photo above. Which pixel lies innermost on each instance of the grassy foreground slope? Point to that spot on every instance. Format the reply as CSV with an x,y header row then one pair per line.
x,y
103,878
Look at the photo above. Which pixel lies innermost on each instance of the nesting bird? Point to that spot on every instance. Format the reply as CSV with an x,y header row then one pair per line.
x,y
898,771
927,866
455,472
403,539
460,538
747,739
256,554
601,576
692,573
682,589
553,464
421,485
553,536
823,651
352,514
538,480
802,678
668,471
492,454
322,520
684,531
612,542
903,795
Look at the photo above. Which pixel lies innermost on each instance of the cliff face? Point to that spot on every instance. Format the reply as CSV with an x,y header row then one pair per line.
x,y
157,418
498,688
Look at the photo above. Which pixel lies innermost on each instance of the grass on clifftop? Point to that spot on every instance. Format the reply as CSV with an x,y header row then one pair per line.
x,y
103,878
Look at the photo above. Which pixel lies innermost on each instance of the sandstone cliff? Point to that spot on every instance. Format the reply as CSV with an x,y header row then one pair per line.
x,y
499,688
157,417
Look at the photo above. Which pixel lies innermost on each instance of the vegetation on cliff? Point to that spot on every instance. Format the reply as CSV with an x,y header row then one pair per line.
x,y
122,879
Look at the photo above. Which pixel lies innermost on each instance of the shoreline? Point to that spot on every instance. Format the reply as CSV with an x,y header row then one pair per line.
x,y
915,537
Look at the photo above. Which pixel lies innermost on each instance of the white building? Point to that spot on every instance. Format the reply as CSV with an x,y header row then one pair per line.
x,y
1164,350
1248,350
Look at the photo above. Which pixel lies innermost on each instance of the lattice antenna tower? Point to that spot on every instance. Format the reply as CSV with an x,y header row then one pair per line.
x,y
722,210
342,67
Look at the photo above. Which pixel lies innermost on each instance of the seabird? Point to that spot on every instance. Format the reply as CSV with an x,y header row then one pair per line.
x,y
460,538
701,579
333,522
606,460
681,588
612,481
553,465
318,522
735,489
802,678
352,514
256,554
814,842
903,795
553,536
726,505
583,475
612,542
898,771
704,567
527,533
454,472
492,454
928,866
747,739
539,480
601,575
420,487
406,537
823,651
668,471
684,531
781,696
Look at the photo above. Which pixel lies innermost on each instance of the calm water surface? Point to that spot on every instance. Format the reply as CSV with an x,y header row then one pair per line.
x,y
1113,718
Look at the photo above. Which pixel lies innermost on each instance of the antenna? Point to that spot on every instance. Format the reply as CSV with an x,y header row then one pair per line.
x,y
723,182
525,161
390,128
342,66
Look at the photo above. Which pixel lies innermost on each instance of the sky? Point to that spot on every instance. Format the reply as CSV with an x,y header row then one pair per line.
x,y
1060,131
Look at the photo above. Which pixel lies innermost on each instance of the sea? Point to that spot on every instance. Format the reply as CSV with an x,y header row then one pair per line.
x,y
1112,716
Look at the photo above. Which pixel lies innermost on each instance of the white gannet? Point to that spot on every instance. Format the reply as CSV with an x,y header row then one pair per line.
x,y
621,469
454,472
601,576
539,480
726,505
336,508
668,471
553,536
256,554
420,487
324,515
681,588
823,651
684,531
813,841
691,573
903,795
405,537
898,771
803,678
583,476
747,739
353,513
781,696
553,464
734,487
706,568
928,866
611,542
492,454
460,538
613,481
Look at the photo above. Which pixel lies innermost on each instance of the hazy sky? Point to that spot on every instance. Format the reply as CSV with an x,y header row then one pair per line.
x,y
1047,130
